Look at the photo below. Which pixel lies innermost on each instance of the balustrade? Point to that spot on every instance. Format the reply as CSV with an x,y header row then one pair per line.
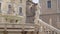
x,y
47,29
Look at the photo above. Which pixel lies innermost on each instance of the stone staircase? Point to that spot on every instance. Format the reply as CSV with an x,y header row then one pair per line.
x,y
46,28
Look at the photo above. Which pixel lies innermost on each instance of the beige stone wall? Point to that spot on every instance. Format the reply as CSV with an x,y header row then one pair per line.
x,y
50,15
51,19
44,8
15,7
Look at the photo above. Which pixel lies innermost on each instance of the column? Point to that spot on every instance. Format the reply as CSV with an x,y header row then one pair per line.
x,y
20,32
29,32
24,32
14,32
5,32
50,21
36,29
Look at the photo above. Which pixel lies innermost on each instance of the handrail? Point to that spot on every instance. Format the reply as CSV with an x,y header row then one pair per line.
x,y
15,24
12,16
50,26
7,24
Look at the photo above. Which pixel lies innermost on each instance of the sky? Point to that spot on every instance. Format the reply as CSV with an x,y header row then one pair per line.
x,y
36,1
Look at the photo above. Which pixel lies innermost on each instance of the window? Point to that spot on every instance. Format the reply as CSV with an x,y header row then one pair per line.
x,y
20,11
9,9
20,1
49,4
0,7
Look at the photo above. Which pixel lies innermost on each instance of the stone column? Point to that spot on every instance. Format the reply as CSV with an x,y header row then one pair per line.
x,y
5,32
29,32
20,32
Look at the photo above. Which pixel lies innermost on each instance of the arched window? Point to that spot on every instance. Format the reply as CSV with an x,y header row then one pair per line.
x,y
49,4
20,11
9,9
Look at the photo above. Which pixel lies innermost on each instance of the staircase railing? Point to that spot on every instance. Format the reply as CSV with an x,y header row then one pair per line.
x,y
47,28
16,27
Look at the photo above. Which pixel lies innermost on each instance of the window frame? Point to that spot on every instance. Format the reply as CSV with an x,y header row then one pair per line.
x,y
21,14
20,9
8,7
49,4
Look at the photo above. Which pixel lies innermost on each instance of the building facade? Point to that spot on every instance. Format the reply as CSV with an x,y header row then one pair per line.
x,y
22,17
17,17
49,12
12,7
